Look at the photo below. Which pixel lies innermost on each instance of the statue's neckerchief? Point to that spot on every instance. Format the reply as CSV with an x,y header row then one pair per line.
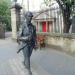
x,y
30,28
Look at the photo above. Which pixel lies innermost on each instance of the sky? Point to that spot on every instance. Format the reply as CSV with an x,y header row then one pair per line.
x,y
34,5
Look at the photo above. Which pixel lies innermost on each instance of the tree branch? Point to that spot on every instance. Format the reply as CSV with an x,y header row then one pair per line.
x,y
60,2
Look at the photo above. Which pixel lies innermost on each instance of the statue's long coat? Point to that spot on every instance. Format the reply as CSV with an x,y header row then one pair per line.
x,y
30,32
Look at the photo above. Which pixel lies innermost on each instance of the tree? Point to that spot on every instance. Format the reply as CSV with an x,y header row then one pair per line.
x,y
67,9
5,13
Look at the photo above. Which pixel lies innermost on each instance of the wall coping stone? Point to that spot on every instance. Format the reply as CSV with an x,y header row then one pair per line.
x,y
64,35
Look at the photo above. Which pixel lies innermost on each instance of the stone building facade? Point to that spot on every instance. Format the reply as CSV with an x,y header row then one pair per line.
x,y
49,20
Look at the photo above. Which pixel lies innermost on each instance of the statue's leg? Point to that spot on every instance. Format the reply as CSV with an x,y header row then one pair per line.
x,y
27,65
27,59
30,51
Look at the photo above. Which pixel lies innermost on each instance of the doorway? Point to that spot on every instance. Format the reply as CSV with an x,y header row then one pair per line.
x,y
43,26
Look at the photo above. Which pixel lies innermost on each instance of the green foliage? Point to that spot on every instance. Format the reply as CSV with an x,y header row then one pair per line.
x,y
5,13
63,3
47,2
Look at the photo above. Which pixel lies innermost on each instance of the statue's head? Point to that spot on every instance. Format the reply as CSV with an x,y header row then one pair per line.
x,y
28,16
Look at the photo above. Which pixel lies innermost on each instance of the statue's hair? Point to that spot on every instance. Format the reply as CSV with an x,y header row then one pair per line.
x,y
28,14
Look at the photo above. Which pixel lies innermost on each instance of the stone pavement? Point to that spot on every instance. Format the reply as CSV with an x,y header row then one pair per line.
x,y
10,61
43,62
54,62
13,67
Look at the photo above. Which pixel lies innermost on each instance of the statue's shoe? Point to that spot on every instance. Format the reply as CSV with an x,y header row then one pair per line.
x,y
29,73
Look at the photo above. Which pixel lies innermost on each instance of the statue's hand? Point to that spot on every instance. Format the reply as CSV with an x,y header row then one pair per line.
x,y
23,38
18,41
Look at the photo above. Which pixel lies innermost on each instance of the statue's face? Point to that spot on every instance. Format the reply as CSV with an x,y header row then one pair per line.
x,y
29,18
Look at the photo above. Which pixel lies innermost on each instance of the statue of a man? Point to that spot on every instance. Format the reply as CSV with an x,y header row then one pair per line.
x,y
28,38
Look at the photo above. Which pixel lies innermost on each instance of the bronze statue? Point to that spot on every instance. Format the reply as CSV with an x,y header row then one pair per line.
x,y
27,36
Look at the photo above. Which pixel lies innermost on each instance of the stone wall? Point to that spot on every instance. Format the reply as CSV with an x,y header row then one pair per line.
x,y
62,42
2,31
